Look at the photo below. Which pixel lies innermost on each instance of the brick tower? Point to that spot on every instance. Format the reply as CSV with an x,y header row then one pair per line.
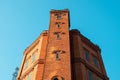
x,y
57,63
61,54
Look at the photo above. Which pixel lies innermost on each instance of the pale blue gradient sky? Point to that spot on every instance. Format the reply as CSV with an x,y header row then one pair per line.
x,y
22,21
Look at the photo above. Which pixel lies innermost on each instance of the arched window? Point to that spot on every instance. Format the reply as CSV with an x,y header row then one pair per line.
x,y
57,78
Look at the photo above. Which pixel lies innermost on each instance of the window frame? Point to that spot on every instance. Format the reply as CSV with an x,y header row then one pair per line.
x,y
90,75
57,77
26,64
57,57
87,55
58,36
33,56
29,76
95,61
58,26
59,16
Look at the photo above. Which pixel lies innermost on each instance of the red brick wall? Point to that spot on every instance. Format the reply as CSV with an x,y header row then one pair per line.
x,y
80,66
40,68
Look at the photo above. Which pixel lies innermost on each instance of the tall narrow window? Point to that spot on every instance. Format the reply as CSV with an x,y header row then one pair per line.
x,y
29,76
26,64
58,36
87,56
57,55
58,26
33,57
90,75
95,61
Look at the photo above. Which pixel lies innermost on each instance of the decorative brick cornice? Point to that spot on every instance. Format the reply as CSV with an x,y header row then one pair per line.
x,y
45,33
41,61
27,50
59,11
85,40
31,47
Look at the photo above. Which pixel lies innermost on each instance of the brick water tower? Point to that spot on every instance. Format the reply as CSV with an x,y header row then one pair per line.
x,y
62,54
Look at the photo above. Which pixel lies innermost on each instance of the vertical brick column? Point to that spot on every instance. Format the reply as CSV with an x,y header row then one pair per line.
x,y
60,68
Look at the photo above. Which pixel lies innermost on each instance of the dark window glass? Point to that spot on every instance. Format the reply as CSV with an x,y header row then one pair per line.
x,y
58,36
99,78
87,56
90,75
95,61
56,79
58,25
57,56
58,16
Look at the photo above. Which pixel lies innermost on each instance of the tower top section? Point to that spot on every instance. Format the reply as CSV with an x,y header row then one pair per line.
x,y
61,15
64,10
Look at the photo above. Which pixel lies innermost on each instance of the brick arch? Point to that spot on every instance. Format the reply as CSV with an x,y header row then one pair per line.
x,y
57,78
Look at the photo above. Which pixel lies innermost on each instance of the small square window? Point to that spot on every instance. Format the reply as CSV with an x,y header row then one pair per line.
x,y
59,16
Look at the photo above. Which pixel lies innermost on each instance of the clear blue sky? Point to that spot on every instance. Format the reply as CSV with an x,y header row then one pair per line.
x,y
22,21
